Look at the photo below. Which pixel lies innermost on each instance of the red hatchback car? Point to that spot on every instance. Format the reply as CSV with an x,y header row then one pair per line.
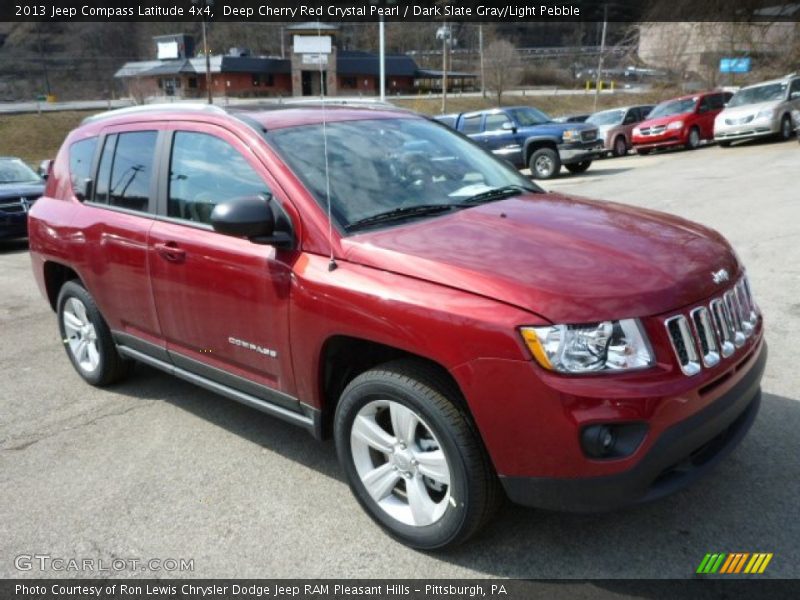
x,y
684,121
371,275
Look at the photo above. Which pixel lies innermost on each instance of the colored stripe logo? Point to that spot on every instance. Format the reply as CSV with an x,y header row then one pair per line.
x,y
733,563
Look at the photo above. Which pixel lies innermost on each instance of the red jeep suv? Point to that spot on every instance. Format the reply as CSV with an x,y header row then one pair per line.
x,y
369,274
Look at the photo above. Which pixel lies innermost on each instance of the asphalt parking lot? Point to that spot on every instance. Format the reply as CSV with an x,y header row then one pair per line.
x,y
157,468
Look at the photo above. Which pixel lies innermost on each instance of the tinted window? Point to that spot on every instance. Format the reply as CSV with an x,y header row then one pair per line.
x,y
471,124
716,102
494,122
205,171
81,155
126,170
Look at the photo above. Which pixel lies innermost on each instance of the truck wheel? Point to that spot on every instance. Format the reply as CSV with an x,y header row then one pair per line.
x,y
620,146
580,167
86,337
412,457
693,141
786,128
544,163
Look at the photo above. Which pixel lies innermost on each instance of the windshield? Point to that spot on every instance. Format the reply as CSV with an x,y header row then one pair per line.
x,y
527,117
607,117
760,93
15,171
382,165
673,107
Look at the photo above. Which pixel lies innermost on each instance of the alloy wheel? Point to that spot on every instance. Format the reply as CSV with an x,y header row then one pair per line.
x,y
400,462
81,336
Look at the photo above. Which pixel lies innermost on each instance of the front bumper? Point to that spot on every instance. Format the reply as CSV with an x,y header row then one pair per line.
x,y
664,140
681,454
13,226
732,133
580,151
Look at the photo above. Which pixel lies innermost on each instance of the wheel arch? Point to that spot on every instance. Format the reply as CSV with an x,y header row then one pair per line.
x,y
534,143
55,276
343,358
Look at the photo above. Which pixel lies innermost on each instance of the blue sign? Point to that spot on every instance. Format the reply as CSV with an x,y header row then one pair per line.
x,y
734,65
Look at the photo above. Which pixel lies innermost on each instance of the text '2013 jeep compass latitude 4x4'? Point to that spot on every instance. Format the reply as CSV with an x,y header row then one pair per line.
x,y
370,274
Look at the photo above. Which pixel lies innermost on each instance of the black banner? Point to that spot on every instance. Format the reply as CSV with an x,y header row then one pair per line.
x,y
405,589
399,10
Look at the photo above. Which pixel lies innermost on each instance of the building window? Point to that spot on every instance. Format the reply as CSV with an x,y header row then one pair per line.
x,y
192,82
349,82
263,79
256,79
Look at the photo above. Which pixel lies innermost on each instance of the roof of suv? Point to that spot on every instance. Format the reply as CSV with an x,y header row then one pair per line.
x,y
783,79
269,116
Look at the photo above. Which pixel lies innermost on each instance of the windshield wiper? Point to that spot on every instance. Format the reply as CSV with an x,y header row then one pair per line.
x,y
402,212
498,193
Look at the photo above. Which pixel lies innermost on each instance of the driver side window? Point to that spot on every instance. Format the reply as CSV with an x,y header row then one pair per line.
x,y
204,171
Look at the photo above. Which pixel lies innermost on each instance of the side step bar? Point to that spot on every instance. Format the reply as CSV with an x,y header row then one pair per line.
x,y
309,422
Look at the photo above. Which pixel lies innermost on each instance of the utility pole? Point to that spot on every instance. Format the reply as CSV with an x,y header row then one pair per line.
x,y
598,78
480,49
205,6
445,36
283,53
382,52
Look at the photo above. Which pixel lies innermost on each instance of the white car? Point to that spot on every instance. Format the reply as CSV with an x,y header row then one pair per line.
x,y
763,109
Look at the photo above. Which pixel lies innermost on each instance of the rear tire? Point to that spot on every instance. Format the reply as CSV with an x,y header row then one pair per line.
x,y
412,456
544,163
87,338
580,167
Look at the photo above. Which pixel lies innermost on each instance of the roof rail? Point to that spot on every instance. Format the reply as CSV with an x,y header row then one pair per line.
x,y
147,108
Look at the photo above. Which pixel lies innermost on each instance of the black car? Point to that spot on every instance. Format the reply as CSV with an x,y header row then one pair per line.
x,y
20,186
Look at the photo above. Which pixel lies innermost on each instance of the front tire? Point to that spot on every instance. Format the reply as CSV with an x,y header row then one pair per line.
x,y
786,128
87,338
580,167
544,163
412,456
693,141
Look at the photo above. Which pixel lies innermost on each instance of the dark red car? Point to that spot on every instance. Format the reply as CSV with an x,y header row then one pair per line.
x,y
684,121
371,275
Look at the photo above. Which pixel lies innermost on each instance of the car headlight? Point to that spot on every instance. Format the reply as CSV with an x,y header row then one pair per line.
x,y
606,346
767,113
571,135
636,131
675,125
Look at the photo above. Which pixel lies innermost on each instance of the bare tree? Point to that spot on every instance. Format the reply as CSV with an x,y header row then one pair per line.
x,y
502,67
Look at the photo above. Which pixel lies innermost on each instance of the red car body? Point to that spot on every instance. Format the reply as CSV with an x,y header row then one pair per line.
x,y
676,129
453,290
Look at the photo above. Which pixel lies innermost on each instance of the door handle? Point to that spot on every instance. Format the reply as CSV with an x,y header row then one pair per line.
x,y
171,252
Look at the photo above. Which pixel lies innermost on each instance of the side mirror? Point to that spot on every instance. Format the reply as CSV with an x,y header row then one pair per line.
x,y
250,217
83,189
509,126
44,168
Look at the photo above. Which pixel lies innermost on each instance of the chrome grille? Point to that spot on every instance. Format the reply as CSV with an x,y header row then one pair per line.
x,y
655,130
17,205
715,331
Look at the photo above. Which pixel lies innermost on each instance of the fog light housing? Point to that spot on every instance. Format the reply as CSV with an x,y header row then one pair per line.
x,y
612,440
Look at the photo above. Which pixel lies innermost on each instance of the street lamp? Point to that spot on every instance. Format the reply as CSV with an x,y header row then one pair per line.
x,y
205,7
444,33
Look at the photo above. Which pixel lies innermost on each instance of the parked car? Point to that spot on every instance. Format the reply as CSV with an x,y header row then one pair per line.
x,y
575,118
615,125
459,332
684,121
527,138
763,109
20,187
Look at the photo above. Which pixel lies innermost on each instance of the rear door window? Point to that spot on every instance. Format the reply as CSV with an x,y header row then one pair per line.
x,y
125,173
471,124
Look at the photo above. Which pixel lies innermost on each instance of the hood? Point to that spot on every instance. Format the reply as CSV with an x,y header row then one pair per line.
x,y
748,109
19,190
664,120
566,259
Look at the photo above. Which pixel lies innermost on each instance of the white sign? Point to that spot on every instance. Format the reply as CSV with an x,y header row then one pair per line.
x,y
315,59
167,50
312,44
